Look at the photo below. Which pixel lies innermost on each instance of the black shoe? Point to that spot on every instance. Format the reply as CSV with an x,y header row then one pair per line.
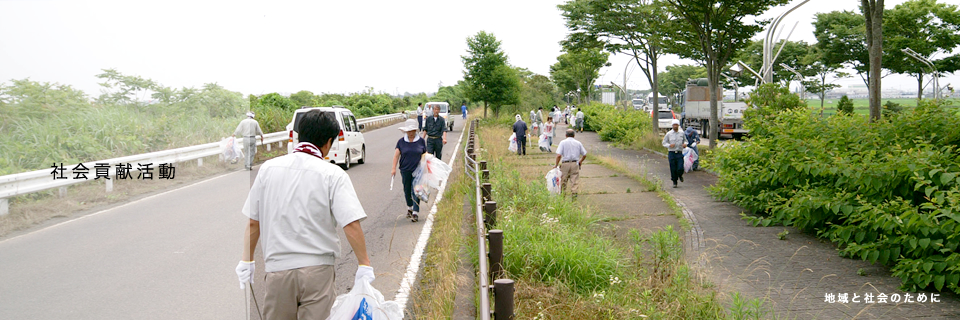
x,y
681,178
415,218
674,184
409,214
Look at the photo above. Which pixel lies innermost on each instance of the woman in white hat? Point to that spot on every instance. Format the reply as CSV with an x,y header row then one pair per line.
x,y
409,150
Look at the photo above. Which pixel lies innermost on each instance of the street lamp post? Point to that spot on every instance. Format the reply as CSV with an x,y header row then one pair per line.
x,y
736,88
799,78
935,73
768,42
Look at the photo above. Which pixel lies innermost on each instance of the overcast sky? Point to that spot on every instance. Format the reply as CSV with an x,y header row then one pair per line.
x,y
287,46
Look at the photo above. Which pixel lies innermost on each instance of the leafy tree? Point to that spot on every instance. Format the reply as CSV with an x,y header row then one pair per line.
x,y
123,89
482,61
504,88
303,98
27,98
277,101
634,27
873,13
841,39
576,71
817,66
928,28
674,80
711,31
845,105
537,91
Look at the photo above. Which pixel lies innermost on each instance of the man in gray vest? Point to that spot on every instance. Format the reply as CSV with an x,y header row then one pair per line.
x,y
249,129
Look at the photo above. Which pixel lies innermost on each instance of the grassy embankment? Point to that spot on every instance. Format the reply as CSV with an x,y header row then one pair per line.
x,y
564,266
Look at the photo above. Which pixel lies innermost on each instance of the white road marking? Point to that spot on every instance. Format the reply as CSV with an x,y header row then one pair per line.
x,y
406,285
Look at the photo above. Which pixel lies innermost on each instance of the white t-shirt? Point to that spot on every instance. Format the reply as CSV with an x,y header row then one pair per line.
x,y
570,149
301,201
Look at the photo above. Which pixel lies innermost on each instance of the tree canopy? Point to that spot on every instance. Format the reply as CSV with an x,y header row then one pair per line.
x,y
930,29
576,71
488,77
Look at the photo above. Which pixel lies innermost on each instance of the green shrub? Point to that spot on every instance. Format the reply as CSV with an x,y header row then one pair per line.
x,y
891,108
845,105
886,192
623,126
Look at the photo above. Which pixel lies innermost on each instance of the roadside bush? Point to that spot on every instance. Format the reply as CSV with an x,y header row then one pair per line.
x,y
886,192
891,108
622,126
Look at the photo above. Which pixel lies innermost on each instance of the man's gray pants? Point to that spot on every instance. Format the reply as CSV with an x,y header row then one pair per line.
x,y
249,149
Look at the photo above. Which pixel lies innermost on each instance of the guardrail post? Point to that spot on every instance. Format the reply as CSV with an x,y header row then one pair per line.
x,y
485,175
4,206
268,147
489,213
503,299
109,185
483,165
495,238
486,189
63,192
199,162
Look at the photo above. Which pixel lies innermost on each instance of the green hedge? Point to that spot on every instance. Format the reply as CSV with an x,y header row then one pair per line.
x,y
886,192
623,126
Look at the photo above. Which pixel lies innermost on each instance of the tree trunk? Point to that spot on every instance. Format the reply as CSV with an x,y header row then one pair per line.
x,y
873,12
712,76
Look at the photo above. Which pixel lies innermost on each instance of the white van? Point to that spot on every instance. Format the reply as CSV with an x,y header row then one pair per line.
x,y
444,112
349,146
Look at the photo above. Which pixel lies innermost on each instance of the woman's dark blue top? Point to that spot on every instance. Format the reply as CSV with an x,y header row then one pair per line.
x,y
410,153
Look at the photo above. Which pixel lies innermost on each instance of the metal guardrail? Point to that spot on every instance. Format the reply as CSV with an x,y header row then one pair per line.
x,y
491,264
39,180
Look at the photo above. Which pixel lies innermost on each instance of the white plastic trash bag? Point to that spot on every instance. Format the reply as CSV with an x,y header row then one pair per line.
x,y
689,157
544,142
230,149
553,180
429,174
364,302
513,143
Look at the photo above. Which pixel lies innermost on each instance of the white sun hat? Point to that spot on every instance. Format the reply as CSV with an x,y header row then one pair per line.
x,y
409,125
675,122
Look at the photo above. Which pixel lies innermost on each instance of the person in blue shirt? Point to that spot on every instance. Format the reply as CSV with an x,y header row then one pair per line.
x,y
463,110
693,139
408,152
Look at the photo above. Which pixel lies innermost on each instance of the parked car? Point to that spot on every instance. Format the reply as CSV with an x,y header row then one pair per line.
x,y
349,146
664,119
444,112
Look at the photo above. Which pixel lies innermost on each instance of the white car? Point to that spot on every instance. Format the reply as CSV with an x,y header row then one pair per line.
x,y
444,112
349,147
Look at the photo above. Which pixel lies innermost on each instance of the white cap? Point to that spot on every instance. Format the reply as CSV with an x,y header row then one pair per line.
x,y
250,114
675,122
409,125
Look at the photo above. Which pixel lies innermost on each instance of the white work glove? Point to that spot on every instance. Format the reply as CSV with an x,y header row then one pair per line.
x,y
245,271
693,145
365,273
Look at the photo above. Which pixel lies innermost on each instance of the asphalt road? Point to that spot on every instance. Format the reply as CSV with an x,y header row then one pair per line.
x,y
172,255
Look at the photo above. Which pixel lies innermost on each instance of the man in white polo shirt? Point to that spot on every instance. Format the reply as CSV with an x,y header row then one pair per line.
x,y
570,156
295,206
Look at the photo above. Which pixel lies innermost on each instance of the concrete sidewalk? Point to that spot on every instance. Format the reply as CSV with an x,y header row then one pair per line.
x,y
794,277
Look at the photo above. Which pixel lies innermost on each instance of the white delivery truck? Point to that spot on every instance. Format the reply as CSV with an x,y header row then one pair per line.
x,y
695,103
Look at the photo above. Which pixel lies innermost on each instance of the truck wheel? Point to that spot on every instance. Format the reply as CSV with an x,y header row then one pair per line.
x,y
705,125
738,136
